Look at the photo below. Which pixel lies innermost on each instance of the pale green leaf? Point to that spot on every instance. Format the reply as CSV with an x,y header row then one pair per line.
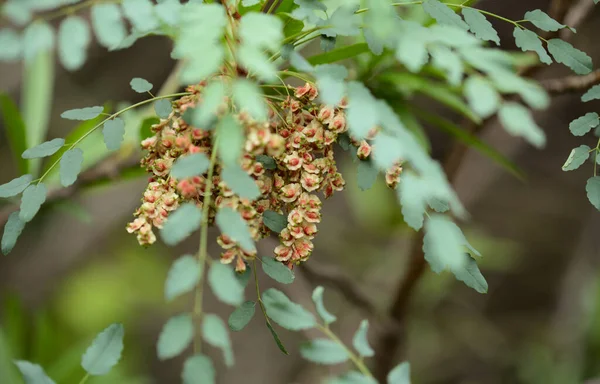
x,y
33,373
190,165
261,30
232,224
11,44
366,175
451,36
169,12
163,108
70,166
215,333
15,186
198,369
276,222
361,342
544,22
225,285
183,276
411,49
592,189
73,40
517,120
327,43
181,223
480,26
330,82
113,132
471,275
449,62
444,15
482,97
33,198
45,149
324,314
248,97
277,270
360,116
203,63
17,11
38,37
413,194
108,24
584,124
241,316
140,85
105,351
576,158
570,56
324,351
529,41
175,336
87,113
344,21
240,182
213,97
591,94
257,62
141,14
12,230
400,374
286,313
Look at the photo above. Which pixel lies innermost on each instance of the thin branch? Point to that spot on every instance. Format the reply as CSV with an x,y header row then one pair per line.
x,y
571,83
576,16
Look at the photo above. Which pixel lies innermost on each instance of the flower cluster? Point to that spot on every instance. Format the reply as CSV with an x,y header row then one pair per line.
x,y
291,159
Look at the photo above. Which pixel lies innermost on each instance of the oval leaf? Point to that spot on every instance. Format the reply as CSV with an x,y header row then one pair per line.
x,y
190,165
73,40
225,285
317,298
175,336
576,158
584,124
70,166
105,351
12,230
182,277
83,114
277,271
198,369
276,222
215,333
592,189
163,108
324,351
15,186
140,85
241,316
33,373
240,182
113,132
181,223
400,374
47,148
33,198
568,55
232,224
286,313
361,342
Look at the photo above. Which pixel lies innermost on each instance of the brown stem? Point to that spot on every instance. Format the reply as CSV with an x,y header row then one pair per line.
x,y
571,83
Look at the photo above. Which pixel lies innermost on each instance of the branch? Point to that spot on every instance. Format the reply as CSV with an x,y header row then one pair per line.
x,y
571,83
108,170
575,16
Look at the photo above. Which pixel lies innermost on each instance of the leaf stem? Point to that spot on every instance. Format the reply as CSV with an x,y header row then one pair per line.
x,y
360,365
116,114
202,247
85,378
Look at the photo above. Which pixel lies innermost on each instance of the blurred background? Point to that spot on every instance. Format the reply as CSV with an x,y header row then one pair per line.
x,y
75,270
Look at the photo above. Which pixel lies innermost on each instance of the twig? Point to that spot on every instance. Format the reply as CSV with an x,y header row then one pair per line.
x,y
108,170
571,83
575,16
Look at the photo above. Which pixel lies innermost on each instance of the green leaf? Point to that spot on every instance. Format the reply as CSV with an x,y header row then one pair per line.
x,y
344,21
198,369
241,316
232,224
240,182
367,175
225,285
108,24
339,54
276,222
576,158
163,108
11,44
215,333
141,14
529,41
33,373
324,314
248,97
73,40
449,62
37,38
169,12
33,198
361,342
14,128
352,377
277,271
181,223
568,55
113,133
544,22
444,15
592,189
190,165
140,85
411,48
70,166
183,276
481,96
328,43
175,336
213,97
261,30
12,230
517,120
361,104
324,351
83,114
400,374
286,313
257,62
592,94
105,351
471,276
330,82
15,186
480,26
584,124
276,338
45,149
